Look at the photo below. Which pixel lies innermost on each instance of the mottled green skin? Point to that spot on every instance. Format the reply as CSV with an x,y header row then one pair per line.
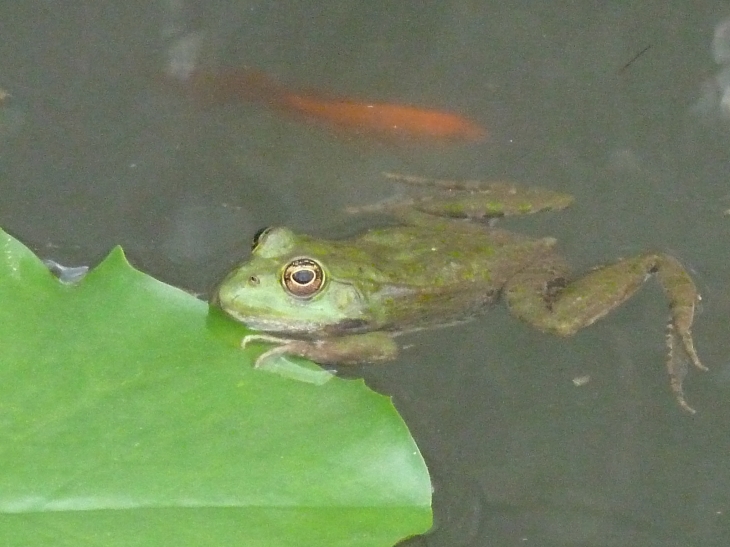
x,y
393,279
435,269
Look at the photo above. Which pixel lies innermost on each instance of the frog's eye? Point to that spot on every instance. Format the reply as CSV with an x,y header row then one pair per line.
x,y
258,236
303,277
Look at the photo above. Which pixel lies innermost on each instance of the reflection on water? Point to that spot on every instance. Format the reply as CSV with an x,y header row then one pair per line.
x,y
714,102
11,115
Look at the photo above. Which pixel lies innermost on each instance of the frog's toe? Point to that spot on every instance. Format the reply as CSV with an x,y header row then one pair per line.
x,y
268,358
680,349
679,395
253,338
689,349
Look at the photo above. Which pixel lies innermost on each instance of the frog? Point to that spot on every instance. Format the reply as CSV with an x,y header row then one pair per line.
x,y
440,261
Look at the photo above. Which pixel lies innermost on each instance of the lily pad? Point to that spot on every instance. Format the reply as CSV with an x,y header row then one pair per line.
x,y
129,415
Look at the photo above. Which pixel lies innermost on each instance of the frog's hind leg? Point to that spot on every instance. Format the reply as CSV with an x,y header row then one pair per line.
x,y
480,200
543,297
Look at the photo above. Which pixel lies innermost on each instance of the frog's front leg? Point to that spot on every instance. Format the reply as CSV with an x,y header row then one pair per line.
x,y
371,347
542,296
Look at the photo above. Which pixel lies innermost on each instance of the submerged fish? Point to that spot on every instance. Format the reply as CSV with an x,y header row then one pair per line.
x,y
384,119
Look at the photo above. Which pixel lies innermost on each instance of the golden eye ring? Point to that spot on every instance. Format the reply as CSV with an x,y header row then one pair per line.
x,y
303,278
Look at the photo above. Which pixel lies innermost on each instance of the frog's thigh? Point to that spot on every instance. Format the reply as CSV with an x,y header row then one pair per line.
x,y
537,298
528,294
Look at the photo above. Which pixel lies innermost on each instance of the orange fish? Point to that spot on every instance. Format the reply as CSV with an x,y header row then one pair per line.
x,y
383,119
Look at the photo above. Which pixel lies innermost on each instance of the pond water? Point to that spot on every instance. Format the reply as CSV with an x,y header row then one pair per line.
x,y
531,440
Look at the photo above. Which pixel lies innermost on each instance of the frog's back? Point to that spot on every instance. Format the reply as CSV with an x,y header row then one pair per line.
x,y
419,278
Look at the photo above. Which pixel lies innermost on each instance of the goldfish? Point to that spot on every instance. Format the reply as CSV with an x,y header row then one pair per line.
x,y
390,120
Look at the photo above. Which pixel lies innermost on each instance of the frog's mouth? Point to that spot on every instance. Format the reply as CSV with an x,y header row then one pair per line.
x,y
306,329
266,324
278,326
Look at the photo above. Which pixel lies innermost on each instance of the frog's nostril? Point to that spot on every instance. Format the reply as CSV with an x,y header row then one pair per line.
x,y
253,280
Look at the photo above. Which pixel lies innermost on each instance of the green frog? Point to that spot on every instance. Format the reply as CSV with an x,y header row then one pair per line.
x,y
342,301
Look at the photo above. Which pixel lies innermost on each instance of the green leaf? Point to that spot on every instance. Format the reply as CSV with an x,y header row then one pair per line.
x,y
129,415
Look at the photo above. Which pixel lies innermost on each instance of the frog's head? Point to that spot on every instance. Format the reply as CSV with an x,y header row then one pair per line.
x,y
286,287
